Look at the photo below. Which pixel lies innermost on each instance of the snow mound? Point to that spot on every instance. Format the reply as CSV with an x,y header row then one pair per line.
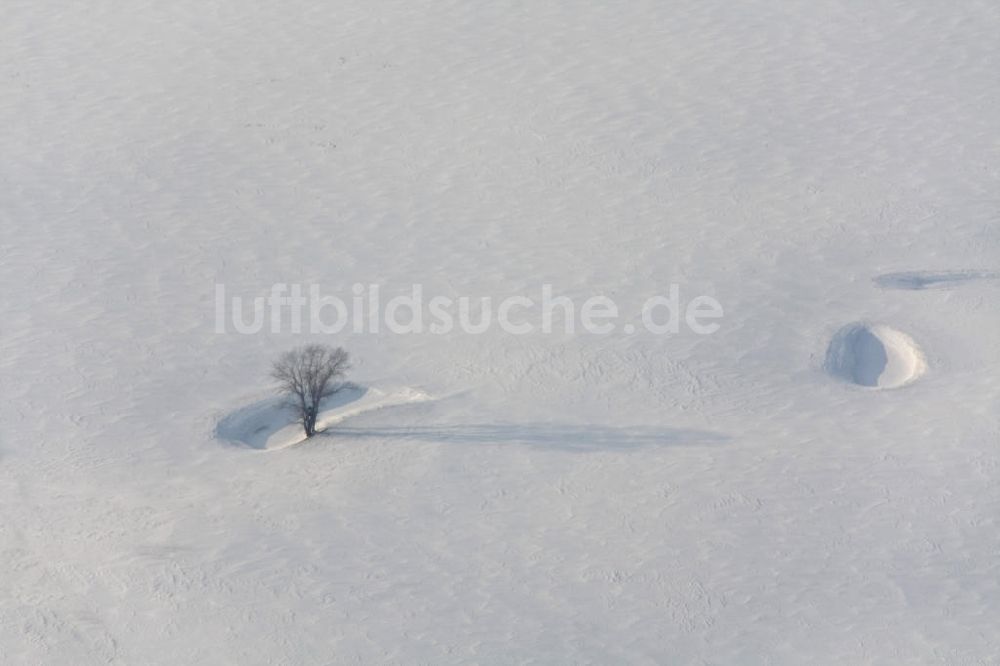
x,y
270,425
875,356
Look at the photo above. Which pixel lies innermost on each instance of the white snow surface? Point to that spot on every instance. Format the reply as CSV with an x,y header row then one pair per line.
x,y
606,499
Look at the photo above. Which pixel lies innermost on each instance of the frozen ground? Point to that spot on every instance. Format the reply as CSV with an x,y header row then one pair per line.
x,y
592,499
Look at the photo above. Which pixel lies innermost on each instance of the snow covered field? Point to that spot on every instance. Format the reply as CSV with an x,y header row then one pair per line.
x,y
827,170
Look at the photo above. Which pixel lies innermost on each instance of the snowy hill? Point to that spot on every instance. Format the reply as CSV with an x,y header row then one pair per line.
x,y
818,481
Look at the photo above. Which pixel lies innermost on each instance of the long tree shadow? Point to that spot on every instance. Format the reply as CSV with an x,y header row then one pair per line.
x,y
565,437
920,280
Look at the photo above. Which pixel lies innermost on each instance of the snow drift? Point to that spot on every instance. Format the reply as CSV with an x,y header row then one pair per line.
x,y
271,425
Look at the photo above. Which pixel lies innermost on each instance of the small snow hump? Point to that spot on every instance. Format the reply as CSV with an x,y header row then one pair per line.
x,y
875,356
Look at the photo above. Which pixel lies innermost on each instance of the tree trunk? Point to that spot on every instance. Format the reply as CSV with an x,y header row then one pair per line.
x,y
310,424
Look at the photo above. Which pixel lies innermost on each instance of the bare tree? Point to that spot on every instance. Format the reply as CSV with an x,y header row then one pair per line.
x,y
308,375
